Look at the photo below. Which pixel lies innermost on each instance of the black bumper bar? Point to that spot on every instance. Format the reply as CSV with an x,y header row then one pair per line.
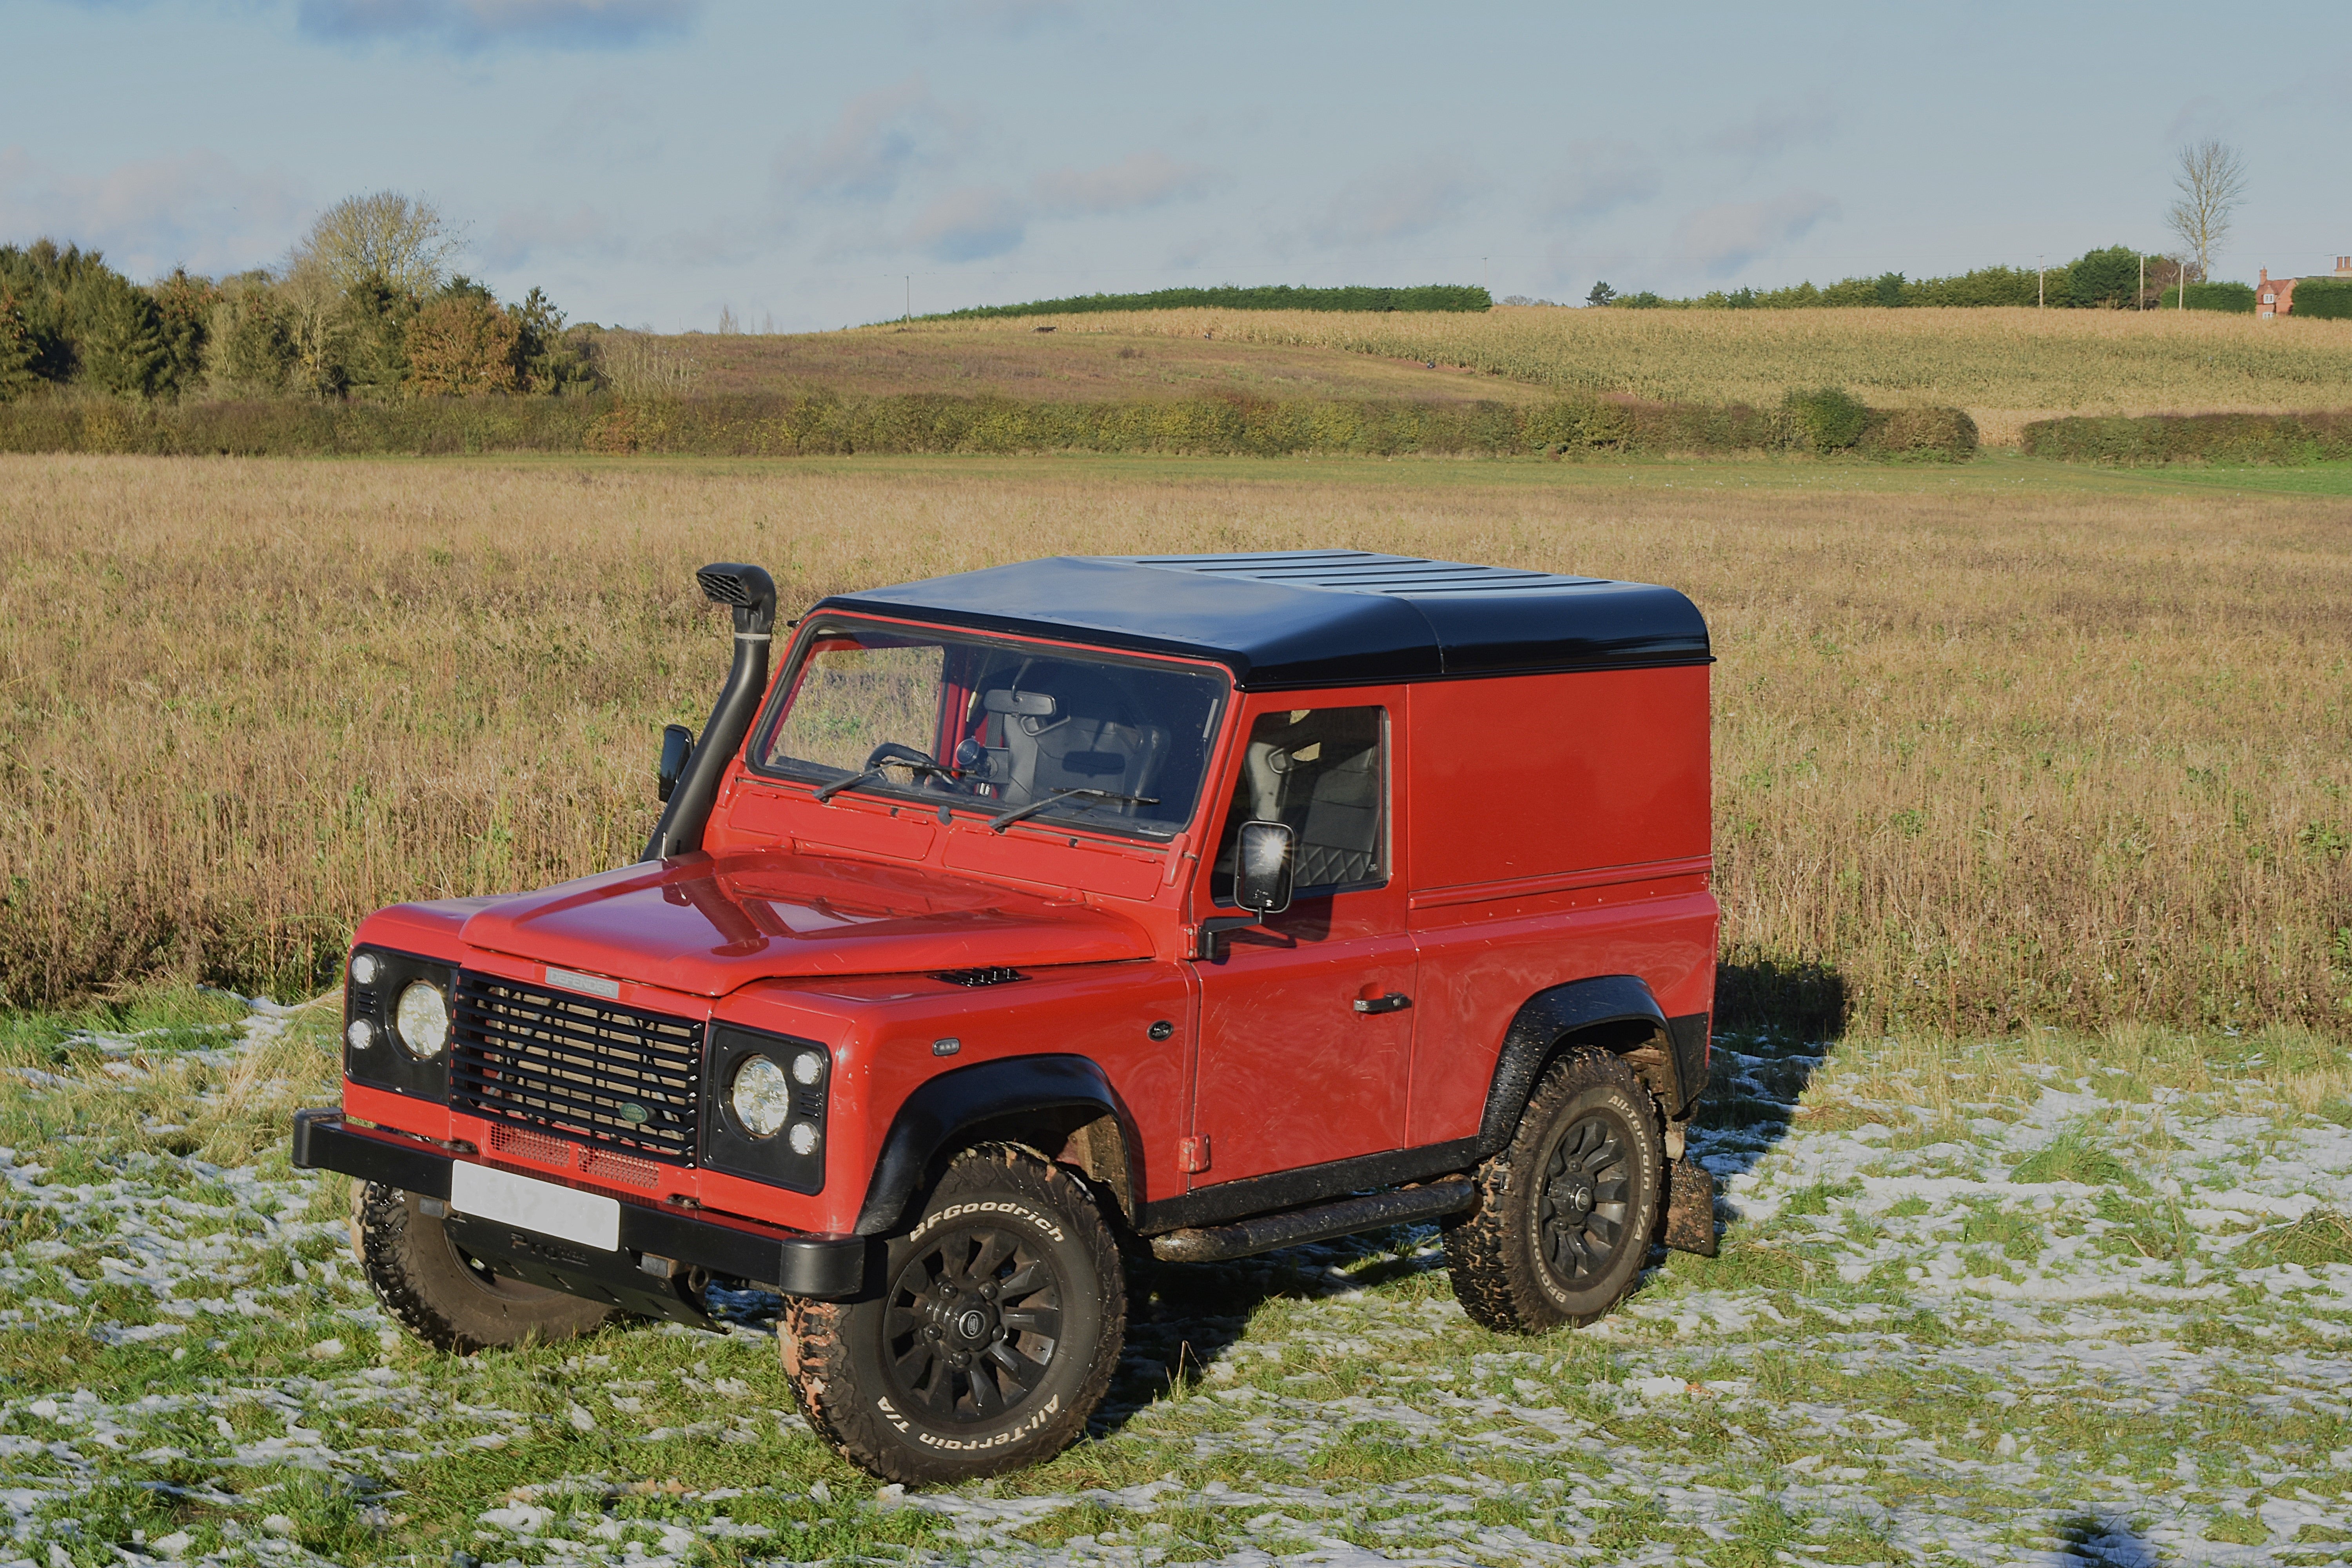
x,y
825,1266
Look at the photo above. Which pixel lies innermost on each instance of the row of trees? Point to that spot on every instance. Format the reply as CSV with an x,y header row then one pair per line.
x,y
366,305
2113,278
2210,176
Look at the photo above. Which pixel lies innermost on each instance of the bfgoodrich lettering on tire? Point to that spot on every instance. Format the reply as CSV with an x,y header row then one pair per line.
x,y
1000,1318
444,1298
1567,1210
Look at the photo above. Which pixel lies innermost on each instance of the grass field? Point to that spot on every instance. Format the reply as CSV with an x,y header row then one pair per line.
x,y
2042,771
2014,744
2042,1299
2004,366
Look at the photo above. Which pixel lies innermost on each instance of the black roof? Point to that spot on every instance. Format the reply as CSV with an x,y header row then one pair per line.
x,y
1315,617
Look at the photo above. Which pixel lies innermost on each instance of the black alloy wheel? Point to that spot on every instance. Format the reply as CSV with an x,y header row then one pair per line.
x,y
973,1322
995,1320
1587,1199
1568,1208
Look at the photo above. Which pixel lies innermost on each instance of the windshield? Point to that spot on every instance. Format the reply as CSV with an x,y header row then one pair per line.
x,y
1123,742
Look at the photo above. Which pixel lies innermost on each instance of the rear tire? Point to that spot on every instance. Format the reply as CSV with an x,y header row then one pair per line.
x,y
1567,1210
1000,1318
444,1298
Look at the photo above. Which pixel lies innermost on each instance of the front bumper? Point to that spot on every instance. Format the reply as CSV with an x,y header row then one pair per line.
x,y
828,1267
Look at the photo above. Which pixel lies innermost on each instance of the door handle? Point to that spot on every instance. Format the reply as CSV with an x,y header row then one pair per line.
x,y
1394,1001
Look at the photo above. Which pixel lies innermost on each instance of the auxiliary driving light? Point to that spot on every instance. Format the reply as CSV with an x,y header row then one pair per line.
x,y
807,1067
803,1138
422,1017
761,1097
364,967
359,1035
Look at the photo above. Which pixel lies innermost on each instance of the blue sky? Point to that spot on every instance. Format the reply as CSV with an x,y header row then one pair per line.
x,y
650,162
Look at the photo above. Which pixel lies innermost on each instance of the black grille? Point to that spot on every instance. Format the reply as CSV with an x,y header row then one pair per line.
x,y
577,1067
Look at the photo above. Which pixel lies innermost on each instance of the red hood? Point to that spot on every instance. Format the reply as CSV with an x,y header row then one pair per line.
x,y
707,924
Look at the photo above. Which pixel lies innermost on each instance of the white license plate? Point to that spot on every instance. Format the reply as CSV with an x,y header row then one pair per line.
x,y
587,1219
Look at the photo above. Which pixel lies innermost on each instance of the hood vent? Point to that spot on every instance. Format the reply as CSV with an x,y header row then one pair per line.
x,y
994,976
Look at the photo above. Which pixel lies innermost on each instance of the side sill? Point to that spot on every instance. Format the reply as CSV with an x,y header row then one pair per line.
x,y
1290,1189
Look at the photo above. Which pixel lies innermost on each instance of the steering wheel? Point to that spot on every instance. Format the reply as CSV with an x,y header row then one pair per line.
x,y
927,768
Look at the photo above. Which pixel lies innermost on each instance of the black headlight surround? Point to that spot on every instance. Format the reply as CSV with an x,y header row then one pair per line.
x,y
387,1064
728,1145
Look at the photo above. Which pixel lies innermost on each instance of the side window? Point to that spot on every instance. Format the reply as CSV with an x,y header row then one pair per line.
x,y
1322,771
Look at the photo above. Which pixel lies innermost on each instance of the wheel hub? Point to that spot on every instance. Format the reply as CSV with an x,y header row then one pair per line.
x,y
973,1324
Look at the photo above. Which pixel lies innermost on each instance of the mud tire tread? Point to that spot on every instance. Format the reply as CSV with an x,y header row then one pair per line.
x,y
422,1286
1493,1270
815,1338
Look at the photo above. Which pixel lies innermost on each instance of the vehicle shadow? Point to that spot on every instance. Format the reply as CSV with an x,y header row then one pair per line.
x,y
1775,1026
2107,1539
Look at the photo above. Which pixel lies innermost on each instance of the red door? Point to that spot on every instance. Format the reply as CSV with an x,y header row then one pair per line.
x,y
1305,1039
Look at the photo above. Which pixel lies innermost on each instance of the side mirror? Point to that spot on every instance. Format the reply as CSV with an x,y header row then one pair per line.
x,y
1262,867
678,744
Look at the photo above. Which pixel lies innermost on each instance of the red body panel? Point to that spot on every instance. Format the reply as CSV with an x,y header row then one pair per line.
x,y
1540,828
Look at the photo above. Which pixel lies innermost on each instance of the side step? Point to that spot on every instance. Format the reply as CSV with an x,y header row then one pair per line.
x,y
1213,1244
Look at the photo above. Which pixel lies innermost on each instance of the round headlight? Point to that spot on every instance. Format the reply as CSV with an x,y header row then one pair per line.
x,y
359,1035
761,1097
364,967
807,1067
422,1017
803,1138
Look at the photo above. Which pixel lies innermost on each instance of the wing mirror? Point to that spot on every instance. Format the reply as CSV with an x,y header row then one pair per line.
x,y
1262,867
1262,876
678,744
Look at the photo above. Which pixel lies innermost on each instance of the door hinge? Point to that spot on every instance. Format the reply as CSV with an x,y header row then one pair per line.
x,y
1192,1154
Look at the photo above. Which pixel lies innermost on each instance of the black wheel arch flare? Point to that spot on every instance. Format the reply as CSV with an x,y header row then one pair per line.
x,y
1617,1011
998,1099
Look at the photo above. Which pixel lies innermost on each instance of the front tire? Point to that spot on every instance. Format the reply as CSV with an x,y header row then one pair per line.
x,y
1566,1211
443,1296
1000,1320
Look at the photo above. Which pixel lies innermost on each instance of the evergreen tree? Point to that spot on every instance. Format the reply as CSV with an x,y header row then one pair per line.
x,y
121,337
16,375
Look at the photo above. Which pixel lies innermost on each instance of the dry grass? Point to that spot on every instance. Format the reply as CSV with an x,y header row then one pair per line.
x,y
2004,366
1993,747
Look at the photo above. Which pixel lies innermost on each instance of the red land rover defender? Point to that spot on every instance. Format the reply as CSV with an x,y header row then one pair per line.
x,y
1198,904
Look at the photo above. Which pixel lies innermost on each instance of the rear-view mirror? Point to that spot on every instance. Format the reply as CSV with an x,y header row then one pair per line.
x,y
1262,867
1027,704
678,744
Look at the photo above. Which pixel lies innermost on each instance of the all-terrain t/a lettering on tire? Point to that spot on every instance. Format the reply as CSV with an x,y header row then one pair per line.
x,y
1000,1318
1567,1210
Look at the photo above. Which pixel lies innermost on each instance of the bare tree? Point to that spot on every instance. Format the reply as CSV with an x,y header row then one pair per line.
x,y
642,368
2212,180
403,238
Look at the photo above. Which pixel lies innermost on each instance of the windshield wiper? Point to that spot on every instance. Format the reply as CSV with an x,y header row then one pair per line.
x,y
1004,819
876,764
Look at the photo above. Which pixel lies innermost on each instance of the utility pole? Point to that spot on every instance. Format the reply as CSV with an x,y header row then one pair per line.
x,y
2040,294
910,299
2139,301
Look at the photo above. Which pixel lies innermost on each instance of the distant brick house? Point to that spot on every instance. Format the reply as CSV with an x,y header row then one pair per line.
x,y
2276,297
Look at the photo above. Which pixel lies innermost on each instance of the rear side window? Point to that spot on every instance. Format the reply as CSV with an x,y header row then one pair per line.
x,y
1323,771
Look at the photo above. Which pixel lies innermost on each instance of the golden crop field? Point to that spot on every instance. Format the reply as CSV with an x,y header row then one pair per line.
x,y
1993,747
2004,366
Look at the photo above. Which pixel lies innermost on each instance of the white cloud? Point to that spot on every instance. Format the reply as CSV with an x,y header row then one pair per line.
x,y
1773,129
468,24
875,143
1723,239
1398,204
1137,181
1597,177
195,209
971,225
